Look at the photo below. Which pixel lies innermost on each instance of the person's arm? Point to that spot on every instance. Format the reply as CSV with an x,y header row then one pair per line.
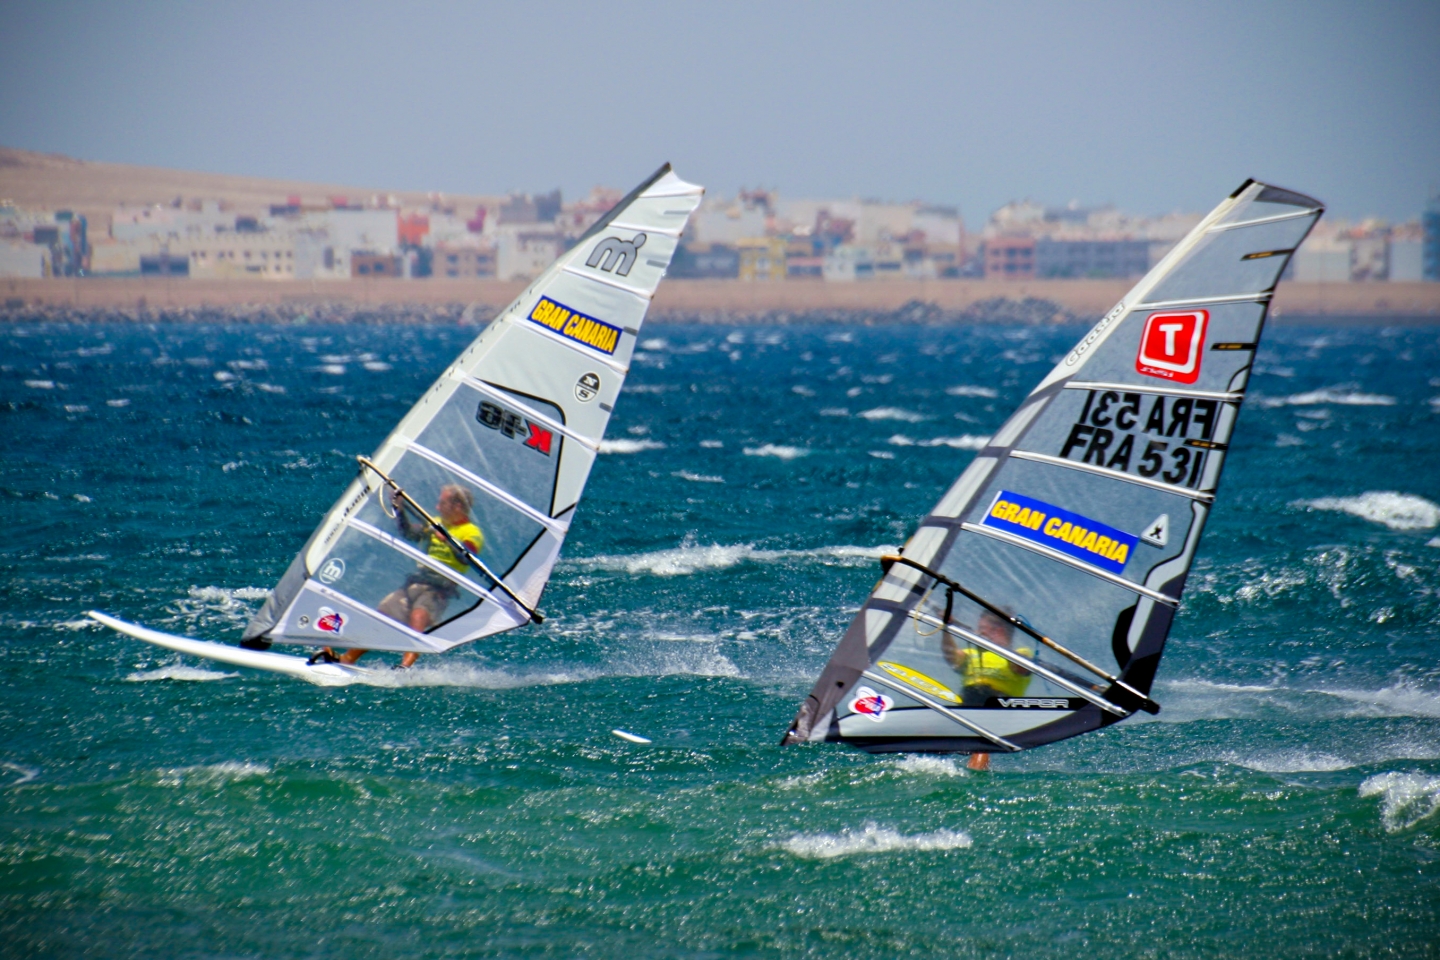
x,y
410,531
954,653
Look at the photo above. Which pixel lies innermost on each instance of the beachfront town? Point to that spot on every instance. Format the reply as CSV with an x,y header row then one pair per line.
x,y
757,235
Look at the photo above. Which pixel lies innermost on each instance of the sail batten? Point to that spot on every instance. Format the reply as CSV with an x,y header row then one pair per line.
x,y
492,458
1078,521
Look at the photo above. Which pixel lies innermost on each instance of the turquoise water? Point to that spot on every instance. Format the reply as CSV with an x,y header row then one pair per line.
x,y
1285,803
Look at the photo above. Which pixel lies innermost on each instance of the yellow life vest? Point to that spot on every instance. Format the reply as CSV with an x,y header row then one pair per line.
x,y
440,549
986,669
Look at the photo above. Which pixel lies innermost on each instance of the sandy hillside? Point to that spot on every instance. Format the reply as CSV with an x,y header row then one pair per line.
x,y
51,181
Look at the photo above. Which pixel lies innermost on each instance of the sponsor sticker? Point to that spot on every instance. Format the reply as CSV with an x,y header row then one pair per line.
x,y
1171,345
871,704
574,325
330,621
514,426
616,255
1034,703
587,388
333,570
919,681
1078,536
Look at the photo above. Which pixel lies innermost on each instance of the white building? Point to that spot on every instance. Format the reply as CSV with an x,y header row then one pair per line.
x,y
1322,258
262,256
524,250
134,223
24,260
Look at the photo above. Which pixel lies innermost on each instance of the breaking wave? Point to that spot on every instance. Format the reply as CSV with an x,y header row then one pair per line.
x,y
964,390
689,558
776,450
213,773
930,766
697,477
1336,395
626,445
872,839
1405,798
1398,511
1397,700
966,442
892,413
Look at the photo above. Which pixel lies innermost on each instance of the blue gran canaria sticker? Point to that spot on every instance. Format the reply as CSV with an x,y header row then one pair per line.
x,y
574,325
1057,528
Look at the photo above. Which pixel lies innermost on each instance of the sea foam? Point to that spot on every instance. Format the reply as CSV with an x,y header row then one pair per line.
x,y
689,558
626,445
1405,798
1398,511
871,839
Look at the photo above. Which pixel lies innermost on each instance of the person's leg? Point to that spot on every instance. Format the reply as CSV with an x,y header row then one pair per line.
x,y
350,656
978,762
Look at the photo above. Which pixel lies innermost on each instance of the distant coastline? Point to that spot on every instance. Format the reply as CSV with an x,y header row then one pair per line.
x,y
705,301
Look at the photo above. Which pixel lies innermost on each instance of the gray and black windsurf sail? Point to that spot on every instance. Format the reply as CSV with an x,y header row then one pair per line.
x,y
1034,602
515,423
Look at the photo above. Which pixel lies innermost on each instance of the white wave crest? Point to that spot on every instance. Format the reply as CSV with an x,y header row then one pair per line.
x,y
1400,699
178,671
626,445
1405,798
1289,761
929,766
871,839
968,391
966,442
25,774
213,773
893,413
1398,511
1336,395
697,477
688,558
776,450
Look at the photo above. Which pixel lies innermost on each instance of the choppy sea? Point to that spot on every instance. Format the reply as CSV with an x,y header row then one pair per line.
x,y
1286,802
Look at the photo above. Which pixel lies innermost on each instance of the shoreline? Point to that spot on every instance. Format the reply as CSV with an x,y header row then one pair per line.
x,y
701,301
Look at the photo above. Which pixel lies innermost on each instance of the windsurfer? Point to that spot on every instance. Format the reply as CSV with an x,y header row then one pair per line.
x,y
985,674
421,601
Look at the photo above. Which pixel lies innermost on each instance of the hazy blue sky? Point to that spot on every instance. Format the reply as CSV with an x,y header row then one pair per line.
x,y
1151,106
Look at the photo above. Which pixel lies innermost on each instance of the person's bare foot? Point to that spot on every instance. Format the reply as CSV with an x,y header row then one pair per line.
x,y
408,661
978,762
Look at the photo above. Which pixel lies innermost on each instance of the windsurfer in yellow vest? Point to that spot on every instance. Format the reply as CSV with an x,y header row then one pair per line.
x,y
421,602
984,674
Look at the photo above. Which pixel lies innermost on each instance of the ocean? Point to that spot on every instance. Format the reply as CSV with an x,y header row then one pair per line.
x,y
1285,803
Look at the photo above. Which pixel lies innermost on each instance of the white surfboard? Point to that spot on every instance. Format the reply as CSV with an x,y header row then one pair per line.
x,y
322,674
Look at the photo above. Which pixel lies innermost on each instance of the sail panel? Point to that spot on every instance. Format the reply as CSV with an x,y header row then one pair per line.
x,y
515,422
1079,520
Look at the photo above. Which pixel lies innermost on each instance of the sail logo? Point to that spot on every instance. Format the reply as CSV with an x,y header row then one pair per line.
x,y
870,704
919,681
515,427
574,325
330,621
617,256
333,570
1031,703
1072,534
1170,346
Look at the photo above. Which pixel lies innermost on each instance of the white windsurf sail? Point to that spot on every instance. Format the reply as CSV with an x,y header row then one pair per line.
x,y
1034,602
515,424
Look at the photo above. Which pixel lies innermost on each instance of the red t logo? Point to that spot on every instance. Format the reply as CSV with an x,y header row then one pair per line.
x,y
1171,345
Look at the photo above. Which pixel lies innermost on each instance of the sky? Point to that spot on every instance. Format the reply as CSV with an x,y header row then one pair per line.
x,y
1154,107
